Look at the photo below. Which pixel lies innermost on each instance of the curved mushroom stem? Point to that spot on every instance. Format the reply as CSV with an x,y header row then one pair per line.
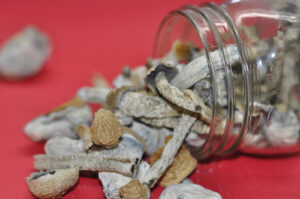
x,y
174,95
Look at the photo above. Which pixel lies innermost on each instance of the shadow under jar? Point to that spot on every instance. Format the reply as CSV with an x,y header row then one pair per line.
x,y
247,71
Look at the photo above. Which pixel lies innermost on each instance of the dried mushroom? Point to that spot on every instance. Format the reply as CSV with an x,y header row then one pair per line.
x,y
52,184
24,54
106,129
93,94
168,70
182,166
134,190
64,146
62,121
84,133
131,77
112,182
100,81
169,152
154,137
122,159
188,190
142,105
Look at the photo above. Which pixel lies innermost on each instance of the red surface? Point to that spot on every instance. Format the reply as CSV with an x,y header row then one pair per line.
x,y
103,36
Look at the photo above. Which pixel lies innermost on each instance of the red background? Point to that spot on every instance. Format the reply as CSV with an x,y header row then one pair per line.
x,y
103,36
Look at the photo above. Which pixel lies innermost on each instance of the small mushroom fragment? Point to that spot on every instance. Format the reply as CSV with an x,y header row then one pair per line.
x,y
122,159
112,182
282,129
24,54
142,105
182,50
62,121
100,81
106,129
130,77
187,100
64,146
127,130
169,152
52,184
194,140
198,69
123,119
154,137
113,98
188,190
84,133
143,169
93,94
182,166
134,190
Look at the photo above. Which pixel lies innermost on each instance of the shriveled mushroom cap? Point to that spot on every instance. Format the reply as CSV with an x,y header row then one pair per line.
x,y
52,184
170,73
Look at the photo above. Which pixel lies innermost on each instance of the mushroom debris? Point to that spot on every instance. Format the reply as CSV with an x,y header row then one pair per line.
x,y
162,110
24,54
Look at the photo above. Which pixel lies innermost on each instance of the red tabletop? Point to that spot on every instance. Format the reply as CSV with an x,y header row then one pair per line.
x,y
89,36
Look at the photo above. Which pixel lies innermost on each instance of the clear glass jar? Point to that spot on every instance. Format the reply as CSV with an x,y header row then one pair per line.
x,y
251,49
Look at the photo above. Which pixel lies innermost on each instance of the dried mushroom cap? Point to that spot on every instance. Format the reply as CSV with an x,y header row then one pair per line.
x,y
113,98
106,128
182,50
134,190
75,102
170,73
84,133
182,166
52,184
62,123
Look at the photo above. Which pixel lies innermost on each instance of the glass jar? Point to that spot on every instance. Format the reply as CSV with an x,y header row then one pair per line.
x,y
250,49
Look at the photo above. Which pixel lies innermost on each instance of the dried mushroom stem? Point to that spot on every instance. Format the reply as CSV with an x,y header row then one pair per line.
x,y
198,69
182,166
171,122
142,105
169,152
94,161
64,146
188,102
